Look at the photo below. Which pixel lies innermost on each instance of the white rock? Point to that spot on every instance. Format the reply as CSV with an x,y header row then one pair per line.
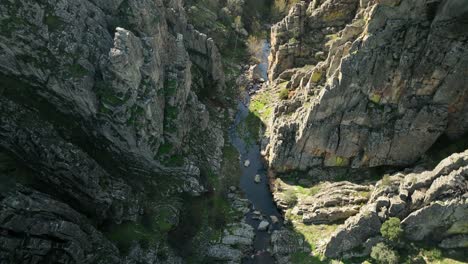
x,y
246,163
257,178
274,219
263,226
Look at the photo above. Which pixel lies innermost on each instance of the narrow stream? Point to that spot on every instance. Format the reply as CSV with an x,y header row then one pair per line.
x,y
258,193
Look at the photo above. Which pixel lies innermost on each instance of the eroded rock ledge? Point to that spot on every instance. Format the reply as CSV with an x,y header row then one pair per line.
x,y
432,206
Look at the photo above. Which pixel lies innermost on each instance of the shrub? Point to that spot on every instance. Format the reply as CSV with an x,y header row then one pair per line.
x,y
290,197
254,46
283,94
381,253
391,229
432,254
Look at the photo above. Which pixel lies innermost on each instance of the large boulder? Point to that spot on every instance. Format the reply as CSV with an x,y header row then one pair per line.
x,y
437,221
354,233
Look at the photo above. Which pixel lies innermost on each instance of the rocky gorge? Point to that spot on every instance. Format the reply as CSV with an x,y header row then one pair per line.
x,y
172,131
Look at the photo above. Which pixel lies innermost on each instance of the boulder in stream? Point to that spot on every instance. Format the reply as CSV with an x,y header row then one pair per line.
x,y
263,226
257,179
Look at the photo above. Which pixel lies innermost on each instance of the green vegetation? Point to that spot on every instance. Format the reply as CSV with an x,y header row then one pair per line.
x,y
383,254
254,46
292,41
334,15
362,194
204,218
316,76
135,112
312,234
283,85
249,129
290,197
375,98
386,181
175,161
340,161
307,191
260,106
54,23
432,255
304,258
171,112
391,229
77,70
170,86
125,234
107,96
281,7
230,169
283,94
165,148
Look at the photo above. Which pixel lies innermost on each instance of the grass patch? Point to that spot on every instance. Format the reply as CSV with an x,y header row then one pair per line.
x,y
260,106
290,197
249,129
283,94
304,258
313,234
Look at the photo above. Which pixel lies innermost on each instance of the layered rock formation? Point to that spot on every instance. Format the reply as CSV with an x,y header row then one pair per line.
x,y
337,201
372,83
432,205
96,99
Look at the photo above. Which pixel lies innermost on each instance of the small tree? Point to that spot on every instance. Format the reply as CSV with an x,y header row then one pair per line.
x,y
391,229
255,45
383,254
290,197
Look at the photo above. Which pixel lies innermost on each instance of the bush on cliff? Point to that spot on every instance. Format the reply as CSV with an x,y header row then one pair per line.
x,y
383,254
391,229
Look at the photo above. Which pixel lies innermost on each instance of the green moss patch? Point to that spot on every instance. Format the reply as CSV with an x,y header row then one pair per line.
x,y
54,23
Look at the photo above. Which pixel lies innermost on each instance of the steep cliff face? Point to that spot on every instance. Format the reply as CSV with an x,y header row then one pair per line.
x,y
96,99
371,83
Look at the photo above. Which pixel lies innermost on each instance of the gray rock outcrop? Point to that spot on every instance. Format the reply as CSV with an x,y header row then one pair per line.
x,y
36,227
337,201
375,83
432,205
98,100
284,243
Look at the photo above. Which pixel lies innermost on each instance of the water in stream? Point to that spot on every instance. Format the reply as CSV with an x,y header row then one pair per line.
x,y
258,193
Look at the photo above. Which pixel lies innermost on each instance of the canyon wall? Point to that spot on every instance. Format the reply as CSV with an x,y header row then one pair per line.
x,y
97,102
371,83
